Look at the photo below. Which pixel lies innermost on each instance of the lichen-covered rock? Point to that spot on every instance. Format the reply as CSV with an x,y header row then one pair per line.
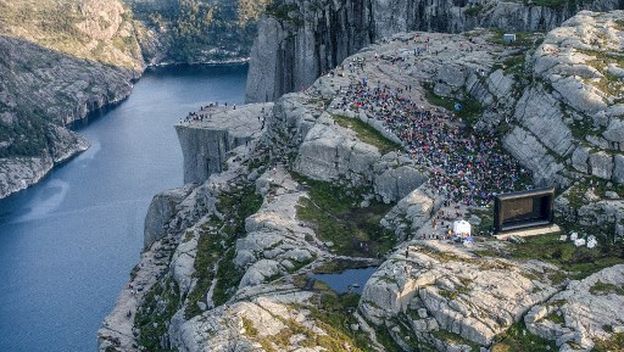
x,y
212,133
302,39
160,211
410,213
474,298
586,312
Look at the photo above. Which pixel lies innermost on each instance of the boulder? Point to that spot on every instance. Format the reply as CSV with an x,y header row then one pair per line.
x,y
161,210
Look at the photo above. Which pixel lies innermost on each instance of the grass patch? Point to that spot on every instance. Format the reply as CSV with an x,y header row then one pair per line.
x,y
333,314
335,214
216,247
367,134
153,316
614,344
579,262
486,226
523,39
451,295
250,330
338,266
471,108
285,13
474,10
518,339
514,65
454,339
555,318
602,288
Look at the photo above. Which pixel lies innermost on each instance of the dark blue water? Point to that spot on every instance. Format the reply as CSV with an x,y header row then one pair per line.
x,y
68,244
350,280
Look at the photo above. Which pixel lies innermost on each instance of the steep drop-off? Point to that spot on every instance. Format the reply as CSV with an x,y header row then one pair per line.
x,y
197,31
299,40
357,173
60,61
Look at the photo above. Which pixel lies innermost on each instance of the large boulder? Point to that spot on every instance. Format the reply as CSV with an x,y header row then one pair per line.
x,y
586,312
161,210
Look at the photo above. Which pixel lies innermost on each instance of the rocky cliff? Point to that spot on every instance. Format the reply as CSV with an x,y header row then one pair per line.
x,y
368,167
299,40
60,61
196,31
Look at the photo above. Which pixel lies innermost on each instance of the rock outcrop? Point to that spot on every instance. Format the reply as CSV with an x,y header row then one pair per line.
x,y
196,31
205,145
585,314
161,210
233,262
426,287
53,77
297,41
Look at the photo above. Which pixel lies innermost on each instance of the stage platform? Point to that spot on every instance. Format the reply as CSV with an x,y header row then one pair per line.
x,y
544,230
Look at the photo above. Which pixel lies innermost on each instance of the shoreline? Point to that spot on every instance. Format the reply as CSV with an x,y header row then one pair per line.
x,y
93,115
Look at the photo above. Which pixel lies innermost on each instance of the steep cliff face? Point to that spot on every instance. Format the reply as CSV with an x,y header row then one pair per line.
x,y
297,40
196,31
347,174
60,61
206,141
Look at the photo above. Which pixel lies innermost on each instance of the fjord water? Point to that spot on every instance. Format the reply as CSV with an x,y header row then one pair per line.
x,y
68,244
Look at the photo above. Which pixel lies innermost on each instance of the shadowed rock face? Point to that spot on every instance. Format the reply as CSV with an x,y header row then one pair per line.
x,y
291,51
206,142
303,38
240,277
40,92
60,61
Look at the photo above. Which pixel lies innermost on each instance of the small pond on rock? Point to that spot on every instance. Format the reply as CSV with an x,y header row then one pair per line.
x,y
349,280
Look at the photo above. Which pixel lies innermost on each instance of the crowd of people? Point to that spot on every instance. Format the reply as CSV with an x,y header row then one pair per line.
x,y
205,112
467,168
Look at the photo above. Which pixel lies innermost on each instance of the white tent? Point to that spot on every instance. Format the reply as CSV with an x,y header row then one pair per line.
x,y
591,242
462,228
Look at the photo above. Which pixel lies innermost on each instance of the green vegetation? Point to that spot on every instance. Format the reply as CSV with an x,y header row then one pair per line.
x,y
578,262
601,288
216,248
59,25
523,39
471,108
514,65
555,4
200,24
518,339
474,10
384,338
337,266
28,137
332,313
555,318
580,129
609,83
451,295
285,12
454,339
153,317
486,227
614,344
208,254
336,215
367,134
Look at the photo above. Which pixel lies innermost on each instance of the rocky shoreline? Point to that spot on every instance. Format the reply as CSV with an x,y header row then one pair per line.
x,y
323,180
54,78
